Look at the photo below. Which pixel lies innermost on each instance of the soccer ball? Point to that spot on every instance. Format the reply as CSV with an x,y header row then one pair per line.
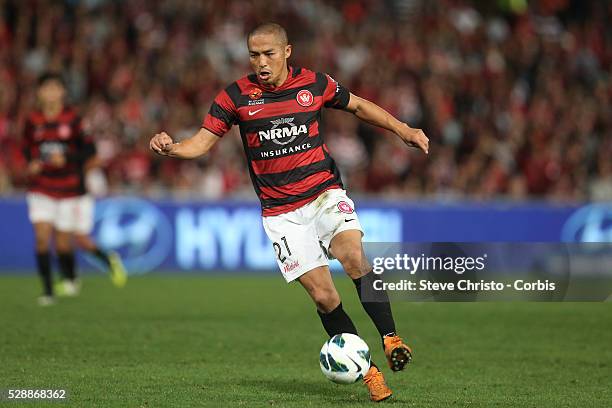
x,y
345,358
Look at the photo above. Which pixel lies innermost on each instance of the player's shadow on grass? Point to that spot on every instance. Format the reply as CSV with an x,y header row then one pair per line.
x,y
331,393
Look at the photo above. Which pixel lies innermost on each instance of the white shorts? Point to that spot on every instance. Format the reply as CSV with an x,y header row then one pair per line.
x,y
74,214
301,237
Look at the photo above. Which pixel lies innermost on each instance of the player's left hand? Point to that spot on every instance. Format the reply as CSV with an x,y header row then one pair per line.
x,y
414,138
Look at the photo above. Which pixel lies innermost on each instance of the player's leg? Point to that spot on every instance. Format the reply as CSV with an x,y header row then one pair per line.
x,y
347,247
70,285
340,233
43,232
320,287
41,212
111,260
300,257
321,211
65,254
65,225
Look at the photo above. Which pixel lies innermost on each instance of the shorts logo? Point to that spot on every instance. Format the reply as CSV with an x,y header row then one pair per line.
x,y
345,207
291,266
305,98
64,131
255,93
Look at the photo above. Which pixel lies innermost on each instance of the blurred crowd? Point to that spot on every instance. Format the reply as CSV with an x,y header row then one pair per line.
x,y
516,97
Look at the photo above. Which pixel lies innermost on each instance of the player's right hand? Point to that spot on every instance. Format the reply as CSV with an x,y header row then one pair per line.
x,y
35,167
57,159
160,143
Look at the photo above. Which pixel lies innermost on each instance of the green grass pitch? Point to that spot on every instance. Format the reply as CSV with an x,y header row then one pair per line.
x,y
214,341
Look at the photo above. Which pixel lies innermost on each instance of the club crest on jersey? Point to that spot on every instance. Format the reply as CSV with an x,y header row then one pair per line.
x,y
345,207
64,131
255,93
305,98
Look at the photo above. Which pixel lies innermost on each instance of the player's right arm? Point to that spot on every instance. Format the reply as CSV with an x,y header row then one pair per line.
x,y
220,118
190,148
34,164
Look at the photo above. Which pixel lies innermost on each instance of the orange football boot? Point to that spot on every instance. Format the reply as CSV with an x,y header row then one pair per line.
x,y
375,382
398,354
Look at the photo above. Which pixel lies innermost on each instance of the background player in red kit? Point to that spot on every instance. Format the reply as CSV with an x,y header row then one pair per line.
x,y
57,149
306,213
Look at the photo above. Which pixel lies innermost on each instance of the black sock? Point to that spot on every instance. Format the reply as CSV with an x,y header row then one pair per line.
x,y
376,304
102,256
43,261
337,321
66,264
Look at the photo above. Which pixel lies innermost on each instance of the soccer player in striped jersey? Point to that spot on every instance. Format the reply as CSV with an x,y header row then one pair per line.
x,y
306,212
57,149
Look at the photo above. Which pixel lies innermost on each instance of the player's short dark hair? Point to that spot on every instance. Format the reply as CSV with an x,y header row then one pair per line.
x,y
270,28
51,76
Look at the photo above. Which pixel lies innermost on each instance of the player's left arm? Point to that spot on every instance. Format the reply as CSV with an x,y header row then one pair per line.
x,y
85,147
377,116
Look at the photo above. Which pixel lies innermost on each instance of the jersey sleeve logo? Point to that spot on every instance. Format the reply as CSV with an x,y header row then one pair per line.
x,y
335,82
304,98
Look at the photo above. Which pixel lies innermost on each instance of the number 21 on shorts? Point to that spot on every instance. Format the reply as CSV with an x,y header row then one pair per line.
x,y
279,250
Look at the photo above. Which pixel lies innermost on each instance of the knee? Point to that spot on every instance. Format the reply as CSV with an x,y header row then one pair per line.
x,y
326,299
63,247
42,244
353,261
63,244
42,241
82,242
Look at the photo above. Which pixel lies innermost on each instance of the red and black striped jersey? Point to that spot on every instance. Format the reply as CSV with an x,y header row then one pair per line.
x,y
63,134
288,161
